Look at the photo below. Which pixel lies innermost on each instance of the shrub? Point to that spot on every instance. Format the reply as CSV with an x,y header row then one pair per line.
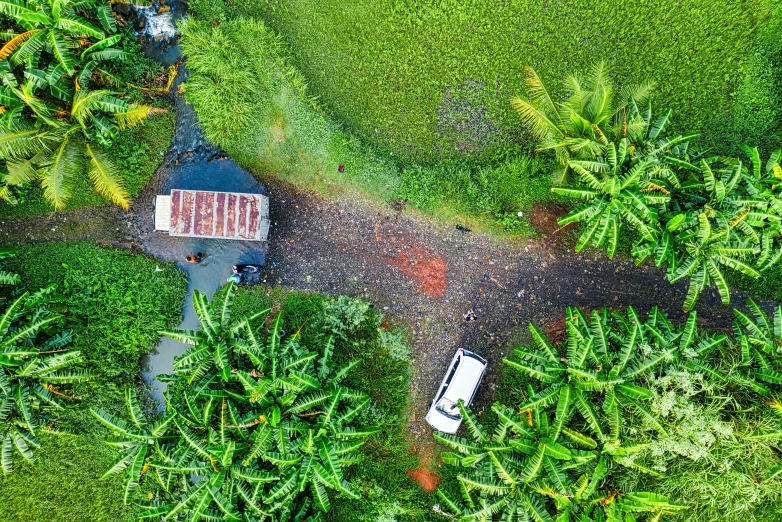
x,y
117,301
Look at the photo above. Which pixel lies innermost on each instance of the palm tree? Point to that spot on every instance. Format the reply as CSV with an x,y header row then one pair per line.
x,y
57,27
30,371
60,145
581,126
53,122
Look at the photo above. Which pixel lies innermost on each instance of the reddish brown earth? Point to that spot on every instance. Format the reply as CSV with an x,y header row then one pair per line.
x,y
555,330
428,480
543,218
421,265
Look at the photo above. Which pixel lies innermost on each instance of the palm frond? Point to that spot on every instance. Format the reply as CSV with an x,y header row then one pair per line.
x,y
106,178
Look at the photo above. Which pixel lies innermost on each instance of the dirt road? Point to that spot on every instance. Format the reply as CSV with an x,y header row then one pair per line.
x,y
423,275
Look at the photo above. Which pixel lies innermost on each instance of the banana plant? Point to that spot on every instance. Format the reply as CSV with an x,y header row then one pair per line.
x,y
600,372
136,441
761,345
501,473
586,501
630,182
267,425
618,191
8,278
525,467
764,183
218,341
34,363
707,244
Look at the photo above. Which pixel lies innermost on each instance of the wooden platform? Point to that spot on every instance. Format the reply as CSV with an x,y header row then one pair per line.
x,y
219,215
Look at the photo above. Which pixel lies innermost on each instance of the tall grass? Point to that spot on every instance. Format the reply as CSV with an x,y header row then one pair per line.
x,y
255,105
407,75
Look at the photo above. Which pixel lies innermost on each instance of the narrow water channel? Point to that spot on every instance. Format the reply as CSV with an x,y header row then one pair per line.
x,y
193,163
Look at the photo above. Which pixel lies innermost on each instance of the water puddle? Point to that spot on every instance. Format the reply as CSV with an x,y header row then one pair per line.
x,y
193,163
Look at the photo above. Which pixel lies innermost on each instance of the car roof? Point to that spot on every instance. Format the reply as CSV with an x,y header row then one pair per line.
x,y
464,381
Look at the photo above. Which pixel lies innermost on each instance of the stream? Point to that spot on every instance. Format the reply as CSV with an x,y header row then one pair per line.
x,y
192,163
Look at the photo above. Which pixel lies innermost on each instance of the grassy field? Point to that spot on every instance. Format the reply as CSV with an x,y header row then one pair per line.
x,y
275,129
116,302
432,79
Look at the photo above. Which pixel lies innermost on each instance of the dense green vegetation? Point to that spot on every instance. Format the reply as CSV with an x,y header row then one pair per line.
x,y
62,67
113,302
432,79
250,380
633,417
689,211
137,152
387,494
276,129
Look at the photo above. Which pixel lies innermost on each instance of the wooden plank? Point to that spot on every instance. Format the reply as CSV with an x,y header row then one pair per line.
x,y
241,229
204,215
186,216
220,216
230,212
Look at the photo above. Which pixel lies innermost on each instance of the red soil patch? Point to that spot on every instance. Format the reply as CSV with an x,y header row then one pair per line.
x,y
555,330
422,265
428,480
543,217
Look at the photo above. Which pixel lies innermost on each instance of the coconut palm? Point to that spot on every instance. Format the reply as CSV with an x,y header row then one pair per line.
x,y
58,27
53,119
33,365
60,142
581,126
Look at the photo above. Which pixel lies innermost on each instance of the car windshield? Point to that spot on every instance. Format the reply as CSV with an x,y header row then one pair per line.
x,y
449,409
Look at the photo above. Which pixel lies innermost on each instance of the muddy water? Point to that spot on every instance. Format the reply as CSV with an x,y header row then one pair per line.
x,y
192,163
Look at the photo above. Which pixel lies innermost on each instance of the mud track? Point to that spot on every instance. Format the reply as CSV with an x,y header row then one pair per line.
x,y
423,275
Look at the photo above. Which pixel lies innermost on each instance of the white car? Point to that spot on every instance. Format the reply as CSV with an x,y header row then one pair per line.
x,y
460,382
